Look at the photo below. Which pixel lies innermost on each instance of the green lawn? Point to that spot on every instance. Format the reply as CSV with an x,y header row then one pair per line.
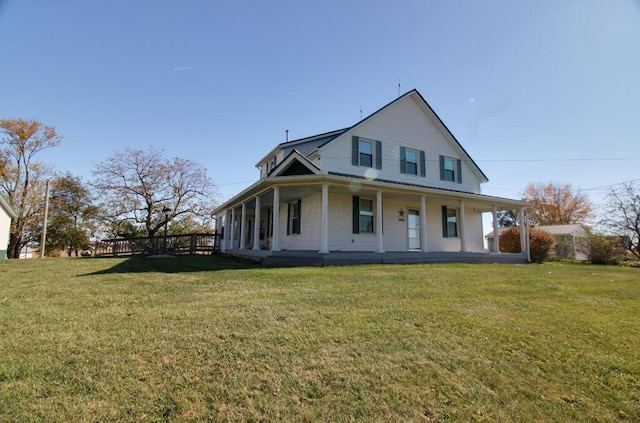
x,y
213,339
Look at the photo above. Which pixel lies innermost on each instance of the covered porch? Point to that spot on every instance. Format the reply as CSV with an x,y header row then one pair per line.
x,y
309,220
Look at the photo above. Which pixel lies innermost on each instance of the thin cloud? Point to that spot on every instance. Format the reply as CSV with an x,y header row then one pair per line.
x,y
181,68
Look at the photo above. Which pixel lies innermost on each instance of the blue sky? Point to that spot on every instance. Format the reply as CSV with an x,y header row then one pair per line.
x,y
534,91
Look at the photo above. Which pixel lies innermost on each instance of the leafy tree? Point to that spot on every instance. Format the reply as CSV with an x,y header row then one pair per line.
x,y
622,211
135,186
22,178
557,204
72,215
507,218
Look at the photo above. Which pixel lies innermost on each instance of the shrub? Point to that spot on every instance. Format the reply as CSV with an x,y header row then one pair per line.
x,y
603,250
540,243
510,240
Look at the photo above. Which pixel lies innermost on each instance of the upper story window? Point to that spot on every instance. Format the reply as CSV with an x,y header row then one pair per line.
x,y
412,161
411,156
450,169
273,162
367,153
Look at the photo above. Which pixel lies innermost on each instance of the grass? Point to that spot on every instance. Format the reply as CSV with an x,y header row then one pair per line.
x,y
214,339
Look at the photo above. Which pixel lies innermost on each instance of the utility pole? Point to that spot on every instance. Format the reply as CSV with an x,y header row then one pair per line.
x,y
43,239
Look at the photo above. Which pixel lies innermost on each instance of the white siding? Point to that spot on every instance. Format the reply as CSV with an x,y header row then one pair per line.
x,y
309,236
402,124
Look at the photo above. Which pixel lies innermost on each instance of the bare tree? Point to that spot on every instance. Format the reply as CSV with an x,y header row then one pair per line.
x,y
557,204
622,211
140,189
21,177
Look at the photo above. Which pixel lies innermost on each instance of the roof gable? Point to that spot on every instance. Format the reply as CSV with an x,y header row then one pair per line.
x,y
295,164
429,114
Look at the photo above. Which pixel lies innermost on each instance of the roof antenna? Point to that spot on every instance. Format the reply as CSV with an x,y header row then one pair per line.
x,y
287,135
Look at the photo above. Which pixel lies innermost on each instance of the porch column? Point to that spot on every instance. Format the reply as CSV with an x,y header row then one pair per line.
x,y
523,235
256,225
463,238
423,224
496,234
324,220
379,236
223,244
232,242
276,220
243,226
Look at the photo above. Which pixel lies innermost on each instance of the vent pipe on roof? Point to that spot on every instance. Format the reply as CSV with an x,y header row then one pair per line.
x,y
287,135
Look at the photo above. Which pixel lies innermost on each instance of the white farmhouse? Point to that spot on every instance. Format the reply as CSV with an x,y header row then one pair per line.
x,y
6,214
396,187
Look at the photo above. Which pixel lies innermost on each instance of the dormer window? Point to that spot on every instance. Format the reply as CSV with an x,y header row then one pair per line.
x,y
273,162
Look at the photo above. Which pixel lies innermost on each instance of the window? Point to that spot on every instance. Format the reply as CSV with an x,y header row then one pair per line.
x,y
409,163
449,222
450,169
366,153
363,216
293,220
411,157
366,215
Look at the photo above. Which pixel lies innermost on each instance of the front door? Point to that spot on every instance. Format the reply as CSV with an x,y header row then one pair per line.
x,y
413,228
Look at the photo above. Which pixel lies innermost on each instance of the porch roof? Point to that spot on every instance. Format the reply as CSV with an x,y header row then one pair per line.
x,y
306,184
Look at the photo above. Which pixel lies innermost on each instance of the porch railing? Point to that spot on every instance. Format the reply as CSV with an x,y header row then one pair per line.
x,y
172,244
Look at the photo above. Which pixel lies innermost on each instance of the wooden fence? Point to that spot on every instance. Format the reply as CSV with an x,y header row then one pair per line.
x,y
173,244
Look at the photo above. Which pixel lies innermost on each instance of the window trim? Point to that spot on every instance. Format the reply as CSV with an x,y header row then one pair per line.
x,y
294,220
446,233
456,172
358,213
376,152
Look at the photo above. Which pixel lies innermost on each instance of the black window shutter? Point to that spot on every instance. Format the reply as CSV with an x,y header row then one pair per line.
x,y
288,218
356,215
423,162
403,160
459,176
355,150
298,229
378,155
444,221
442,168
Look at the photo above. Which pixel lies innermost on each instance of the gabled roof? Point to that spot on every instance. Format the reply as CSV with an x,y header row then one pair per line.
x,y
7,207
328,137
295,164
320,137
430,111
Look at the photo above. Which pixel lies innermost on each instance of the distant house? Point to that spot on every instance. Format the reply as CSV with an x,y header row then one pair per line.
x,y
6,214
396,187
572,241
